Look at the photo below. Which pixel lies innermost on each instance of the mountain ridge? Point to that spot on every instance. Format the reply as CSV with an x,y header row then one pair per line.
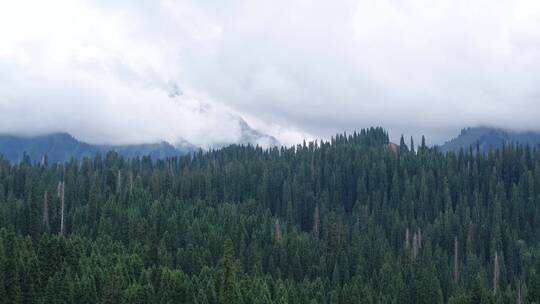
x,y
62,146
485,138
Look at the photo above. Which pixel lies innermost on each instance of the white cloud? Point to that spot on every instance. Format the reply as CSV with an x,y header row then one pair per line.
x,y
103,70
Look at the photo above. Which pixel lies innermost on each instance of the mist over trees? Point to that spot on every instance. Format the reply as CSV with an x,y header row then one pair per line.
x,y
352,220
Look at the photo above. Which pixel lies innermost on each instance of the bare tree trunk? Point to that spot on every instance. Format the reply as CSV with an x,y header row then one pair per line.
x,y
414,245
277,234
61,195
456,259
407,239
316,220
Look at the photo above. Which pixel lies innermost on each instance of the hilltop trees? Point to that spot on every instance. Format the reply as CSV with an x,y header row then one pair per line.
x,y
346,221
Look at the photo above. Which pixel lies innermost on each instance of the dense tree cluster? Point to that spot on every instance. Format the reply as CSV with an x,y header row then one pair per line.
x,y
352,220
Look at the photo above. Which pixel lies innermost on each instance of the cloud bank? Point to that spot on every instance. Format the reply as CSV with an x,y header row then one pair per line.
x,y
138,71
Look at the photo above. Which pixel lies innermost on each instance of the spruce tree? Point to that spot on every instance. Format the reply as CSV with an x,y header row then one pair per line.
x,y
227,288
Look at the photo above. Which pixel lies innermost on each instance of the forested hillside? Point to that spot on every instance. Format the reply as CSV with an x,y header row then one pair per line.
x,y
345,221
486,138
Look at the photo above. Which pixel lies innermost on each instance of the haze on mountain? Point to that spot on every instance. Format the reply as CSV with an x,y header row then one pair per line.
x,y
131,72
61,147
486,139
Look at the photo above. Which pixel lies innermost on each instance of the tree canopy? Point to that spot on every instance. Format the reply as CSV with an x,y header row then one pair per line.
x,y
350,220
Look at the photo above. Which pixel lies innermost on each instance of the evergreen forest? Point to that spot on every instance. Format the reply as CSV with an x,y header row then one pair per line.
x,y
354,219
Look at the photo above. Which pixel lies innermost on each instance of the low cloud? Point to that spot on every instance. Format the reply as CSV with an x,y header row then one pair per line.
x,y
104,71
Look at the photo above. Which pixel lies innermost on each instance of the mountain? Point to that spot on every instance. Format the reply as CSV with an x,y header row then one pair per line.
x,y
62,146
489,139
185,146
356,219
202,109
248,135
155,151
57,146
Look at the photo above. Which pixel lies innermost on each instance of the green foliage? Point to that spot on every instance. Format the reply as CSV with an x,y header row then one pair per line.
x,y
227,286
352,220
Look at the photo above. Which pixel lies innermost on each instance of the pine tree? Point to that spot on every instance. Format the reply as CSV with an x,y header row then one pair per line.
x,y
407,239
119,181
11,270
477,292
428,289
227,289
402,146
496,272
3,290
45,210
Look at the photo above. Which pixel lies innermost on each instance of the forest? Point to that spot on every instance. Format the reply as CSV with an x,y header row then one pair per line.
x,y
353,219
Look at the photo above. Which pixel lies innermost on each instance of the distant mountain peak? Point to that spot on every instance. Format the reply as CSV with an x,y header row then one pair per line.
x,y
61,146
184,145
248,135
489,138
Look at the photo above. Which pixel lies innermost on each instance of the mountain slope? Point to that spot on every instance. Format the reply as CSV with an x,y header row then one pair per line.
x,y
62,146
248,135
155,151
225,126
489,139
57,146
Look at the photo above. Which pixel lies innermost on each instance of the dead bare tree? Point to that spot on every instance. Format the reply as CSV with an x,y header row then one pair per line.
x,y
61,196
416,243
496,270
316,220
277,233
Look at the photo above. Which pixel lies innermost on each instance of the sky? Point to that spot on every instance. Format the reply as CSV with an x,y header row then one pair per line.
x,y
142,71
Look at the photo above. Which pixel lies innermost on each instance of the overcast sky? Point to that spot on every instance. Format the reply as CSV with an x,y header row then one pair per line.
x,y
138,71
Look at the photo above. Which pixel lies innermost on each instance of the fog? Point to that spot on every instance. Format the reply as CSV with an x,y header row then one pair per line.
x,y
142,71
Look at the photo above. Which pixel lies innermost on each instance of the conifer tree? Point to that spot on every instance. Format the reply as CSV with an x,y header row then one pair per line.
x,y
45,210
227,288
